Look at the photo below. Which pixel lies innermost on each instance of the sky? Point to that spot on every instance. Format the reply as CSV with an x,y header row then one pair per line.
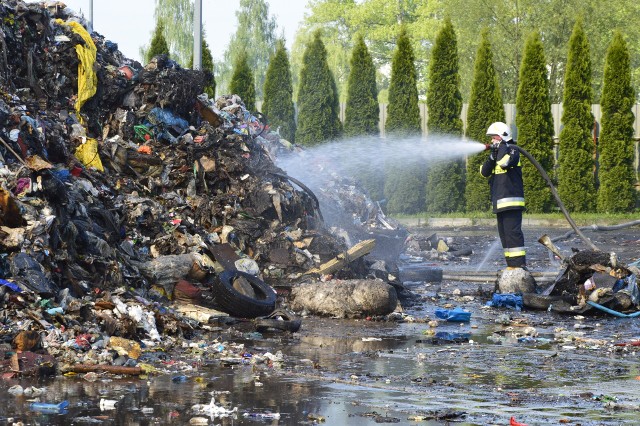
x,y
130,23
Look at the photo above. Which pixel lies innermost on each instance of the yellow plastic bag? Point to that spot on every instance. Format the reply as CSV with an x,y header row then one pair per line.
x,y
87,79
87,153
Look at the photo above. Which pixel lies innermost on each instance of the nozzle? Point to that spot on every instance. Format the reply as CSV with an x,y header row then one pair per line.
x,y
487,146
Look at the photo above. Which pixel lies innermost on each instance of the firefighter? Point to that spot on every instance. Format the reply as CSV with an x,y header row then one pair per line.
x,y
504,170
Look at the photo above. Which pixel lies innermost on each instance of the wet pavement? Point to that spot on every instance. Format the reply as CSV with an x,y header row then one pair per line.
x,y
538,367
120,180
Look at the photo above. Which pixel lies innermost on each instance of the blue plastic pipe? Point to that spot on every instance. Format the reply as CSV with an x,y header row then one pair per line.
x,y
612,312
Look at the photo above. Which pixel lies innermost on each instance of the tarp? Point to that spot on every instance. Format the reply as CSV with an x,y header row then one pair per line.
x,y
87,79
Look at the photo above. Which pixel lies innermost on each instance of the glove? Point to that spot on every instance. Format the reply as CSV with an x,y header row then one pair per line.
x,y
494,151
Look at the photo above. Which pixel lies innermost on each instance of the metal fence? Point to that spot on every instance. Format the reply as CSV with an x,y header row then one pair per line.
x,y
510,113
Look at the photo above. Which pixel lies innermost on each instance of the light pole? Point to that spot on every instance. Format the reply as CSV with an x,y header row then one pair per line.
x,y
197,35
90,16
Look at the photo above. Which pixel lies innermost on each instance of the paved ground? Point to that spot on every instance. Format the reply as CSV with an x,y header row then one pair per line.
x,y
487,252
536,366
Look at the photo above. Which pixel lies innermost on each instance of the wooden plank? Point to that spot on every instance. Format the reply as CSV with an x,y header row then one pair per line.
x,y
113,369
199,313
341,260
225,255
208,114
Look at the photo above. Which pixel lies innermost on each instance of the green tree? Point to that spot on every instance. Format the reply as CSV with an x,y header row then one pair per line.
x,y
404,183
178,35
158,43
485,107
362,114
278,94
242,83
403,113
207,65
616,192
318,105
402,188
256,36
576,182
445,180
333,17
535,124
509,23
362,111
380,20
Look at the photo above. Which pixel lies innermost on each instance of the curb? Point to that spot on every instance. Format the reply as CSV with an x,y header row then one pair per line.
x,y
454,222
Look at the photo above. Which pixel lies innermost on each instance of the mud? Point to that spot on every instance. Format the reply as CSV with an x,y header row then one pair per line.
x,y
536,366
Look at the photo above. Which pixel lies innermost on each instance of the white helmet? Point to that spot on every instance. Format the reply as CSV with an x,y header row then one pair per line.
x,y
500,129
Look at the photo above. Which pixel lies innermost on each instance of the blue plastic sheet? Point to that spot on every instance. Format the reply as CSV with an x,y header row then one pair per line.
x,y
165,124
11,285
507,300
453,315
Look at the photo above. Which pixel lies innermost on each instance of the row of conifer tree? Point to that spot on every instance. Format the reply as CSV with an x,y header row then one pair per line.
x,y
456,186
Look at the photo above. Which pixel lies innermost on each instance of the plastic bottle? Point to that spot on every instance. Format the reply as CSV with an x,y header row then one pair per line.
x,y
54,311
107,404
49,407
263,416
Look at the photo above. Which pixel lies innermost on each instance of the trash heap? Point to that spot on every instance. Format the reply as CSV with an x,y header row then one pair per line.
x,y
346,207
351,214
435,247
119,182
591,281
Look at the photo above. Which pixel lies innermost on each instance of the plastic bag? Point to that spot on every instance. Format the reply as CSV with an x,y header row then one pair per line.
x,y
168,126
87,77
507,300
87,153
629,286
454,315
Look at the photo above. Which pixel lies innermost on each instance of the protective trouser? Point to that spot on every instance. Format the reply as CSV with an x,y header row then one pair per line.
x,y
512,238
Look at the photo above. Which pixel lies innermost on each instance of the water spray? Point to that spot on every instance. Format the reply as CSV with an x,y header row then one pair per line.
x,y
547,179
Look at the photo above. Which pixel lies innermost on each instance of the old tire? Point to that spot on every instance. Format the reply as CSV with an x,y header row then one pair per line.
x,y
240,305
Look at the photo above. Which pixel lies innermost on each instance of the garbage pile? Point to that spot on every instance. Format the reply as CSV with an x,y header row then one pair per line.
x,y
591,281
346,207
120,183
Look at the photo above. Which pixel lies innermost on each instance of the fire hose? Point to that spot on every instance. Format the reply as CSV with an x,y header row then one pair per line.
x,y
564,211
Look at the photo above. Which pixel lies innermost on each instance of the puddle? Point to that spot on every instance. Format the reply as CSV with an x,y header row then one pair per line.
x,y
367,372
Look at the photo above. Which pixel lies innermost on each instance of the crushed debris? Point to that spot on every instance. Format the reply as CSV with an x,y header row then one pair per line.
x,y
132,206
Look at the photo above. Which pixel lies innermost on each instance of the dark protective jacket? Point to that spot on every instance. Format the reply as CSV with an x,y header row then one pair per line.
x,y
505,178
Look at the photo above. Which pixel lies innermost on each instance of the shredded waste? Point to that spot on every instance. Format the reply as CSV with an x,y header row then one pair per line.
x,y
126,195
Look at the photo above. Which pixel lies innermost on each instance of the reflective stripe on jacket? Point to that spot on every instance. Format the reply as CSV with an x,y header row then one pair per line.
x,y
505,178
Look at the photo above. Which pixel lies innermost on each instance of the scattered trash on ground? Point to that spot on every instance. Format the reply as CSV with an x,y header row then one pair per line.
x,y
135,213
141,220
